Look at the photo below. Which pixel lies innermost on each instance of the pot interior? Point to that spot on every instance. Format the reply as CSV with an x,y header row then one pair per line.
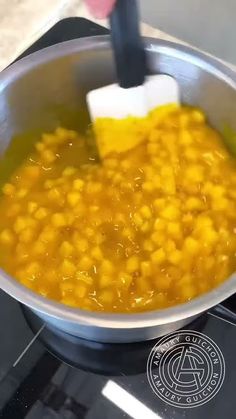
x,y
49,88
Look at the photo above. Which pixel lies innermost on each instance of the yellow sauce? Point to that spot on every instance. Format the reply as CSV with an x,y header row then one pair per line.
x,y
142,230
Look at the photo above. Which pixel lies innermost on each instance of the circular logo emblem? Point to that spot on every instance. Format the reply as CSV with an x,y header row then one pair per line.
x,y
186,369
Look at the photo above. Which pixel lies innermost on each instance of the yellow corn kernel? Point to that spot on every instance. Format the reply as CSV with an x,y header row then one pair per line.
x,y
66,249
32,206
70,218
41,213
48,156
59,220
125,280
170,212
132,264
157,181
39,248
148,187
146,268
94,208
7,237
66,287
159,224
69,171
175,257
32,269
148,246
138,220
99,238
105,281
69,301
188,292
183,120
67,268
208,263
85,263
78,185
54,195
203,222
106,296
8,189
48,235
89,232
191,154
20,224
169,186
49,139
83,276
198,116
125,164
117,178
40,146
195,173
210,236
192,246
159,204
145,227
120,218
22,193
107,267
96,253
49,183
33,172
169,246
146,212
193,203
110,163
128,232
158,257
217,191
185,137
81,244
220,204
22,253
93,187
174,230
27,235
65,135
73,198
162,282
80,290
158,238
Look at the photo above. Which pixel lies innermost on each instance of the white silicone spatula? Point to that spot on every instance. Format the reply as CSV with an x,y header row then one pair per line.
x,y
134,94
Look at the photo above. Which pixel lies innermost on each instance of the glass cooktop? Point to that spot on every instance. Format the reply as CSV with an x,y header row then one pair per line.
x,y
47,374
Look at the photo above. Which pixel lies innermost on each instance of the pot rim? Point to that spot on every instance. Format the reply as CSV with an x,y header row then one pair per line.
x,y
113,320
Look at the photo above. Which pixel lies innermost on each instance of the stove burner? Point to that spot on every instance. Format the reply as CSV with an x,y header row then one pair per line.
x,y
101,358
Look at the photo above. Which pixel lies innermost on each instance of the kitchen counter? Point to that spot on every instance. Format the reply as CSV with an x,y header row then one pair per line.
x,y
24,21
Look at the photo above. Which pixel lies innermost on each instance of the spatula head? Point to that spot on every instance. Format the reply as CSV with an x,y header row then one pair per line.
x,y
115,102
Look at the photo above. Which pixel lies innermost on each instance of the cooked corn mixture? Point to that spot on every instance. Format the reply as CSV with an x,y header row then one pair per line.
x,y
141,230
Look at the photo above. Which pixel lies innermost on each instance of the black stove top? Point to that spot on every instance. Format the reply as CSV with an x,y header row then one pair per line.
x,y
47,374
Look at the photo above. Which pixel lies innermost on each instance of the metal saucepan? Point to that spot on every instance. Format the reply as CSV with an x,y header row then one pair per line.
x,y
35,92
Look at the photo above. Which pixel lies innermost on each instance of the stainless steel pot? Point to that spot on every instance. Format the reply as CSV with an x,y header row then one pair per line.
x,y
33,93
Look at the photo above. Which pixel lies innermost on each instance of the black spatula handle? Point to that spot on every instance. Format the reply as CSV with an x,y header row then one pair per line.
x,y
127,44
